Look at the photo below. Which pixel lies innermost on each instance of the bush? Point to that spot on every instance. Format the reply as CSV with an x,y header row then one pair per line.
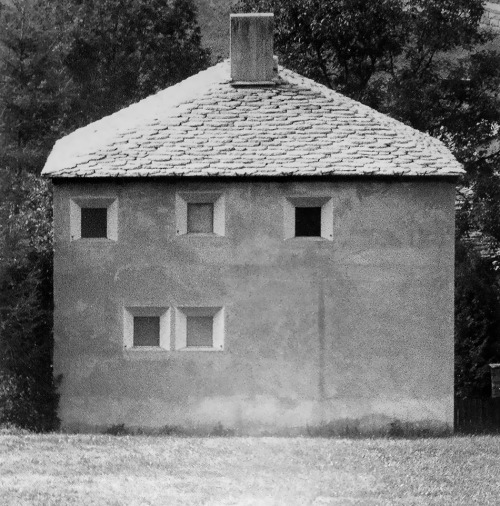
x,y
477,322
28,395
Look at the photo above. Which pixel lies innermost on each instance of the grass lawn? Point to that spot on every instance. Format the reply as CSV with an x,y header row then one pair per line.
x,y
61,469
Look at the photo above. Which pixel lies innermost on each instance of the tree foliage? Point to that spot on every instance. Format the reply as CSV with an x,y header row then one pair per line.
x,y
27,387
35,89
477,321
124,50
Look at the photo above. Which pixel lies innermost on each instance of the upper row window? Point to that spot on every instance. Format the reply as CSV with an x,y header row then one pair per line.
x,y
94,218
308,222
308,217
201,214
94,222
200,218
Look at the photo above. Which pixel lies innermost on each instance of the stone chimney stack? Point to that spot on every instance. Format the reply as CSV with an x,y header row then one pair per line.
x,y
252,60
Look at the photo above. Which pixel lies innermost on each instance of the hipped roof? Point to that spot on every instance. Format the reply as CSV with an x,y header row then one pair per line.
x,y
204,126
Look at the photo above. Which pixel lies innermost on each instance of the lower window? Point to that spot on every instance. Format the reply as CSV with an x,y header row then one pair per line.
x,y
146,331
199,328
146,327
199,331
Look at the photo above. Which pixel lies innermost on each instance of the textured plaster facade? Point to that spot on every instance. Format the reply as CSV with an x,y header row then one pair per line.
x,y
356,326
491,17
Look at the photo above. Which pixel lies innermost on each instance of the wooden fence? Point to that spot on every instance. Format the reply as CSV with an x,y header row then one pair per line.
x,y
477,416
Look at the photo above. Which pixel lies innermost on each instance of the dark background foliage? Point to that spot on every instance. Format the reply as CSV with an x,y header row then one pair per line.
x,y
477,321
28,395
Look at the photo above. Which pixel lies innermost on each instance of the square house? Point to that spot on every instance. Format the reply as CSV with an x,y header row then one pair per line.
x,y
252,249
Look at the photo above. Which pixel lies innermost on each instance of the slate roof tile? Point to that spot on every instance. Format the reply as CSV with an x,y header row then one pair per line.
x,y
206,127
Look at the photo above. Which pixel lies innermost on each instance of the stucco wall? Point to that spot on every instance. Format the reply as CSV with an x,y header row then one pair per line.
x,y
491,17
358,328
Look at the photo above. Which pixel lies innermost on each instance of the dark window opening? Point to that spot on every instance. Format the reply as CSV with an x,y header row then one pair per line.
x,y
199,331
94,222
308,222
146,331
200,218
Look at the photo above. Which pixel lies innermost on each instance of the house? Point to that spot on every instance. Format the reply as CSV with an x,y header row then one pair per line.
x,y
491,16
251,249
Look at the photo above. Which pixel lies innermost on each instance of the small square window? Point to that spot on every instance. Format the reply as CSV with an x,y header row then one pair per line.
x,y
94,222
199,331
93,218
199,328
200,213
146,328
200,218
146,331
308,222
308,217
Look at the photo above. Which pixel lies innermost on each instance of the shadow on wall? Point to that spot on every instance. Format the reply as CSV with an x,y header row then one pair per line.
x,y
381,427
366,427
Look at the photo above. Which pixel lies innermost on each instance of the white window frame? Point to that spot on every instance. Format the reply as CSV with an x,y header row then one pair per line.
x,y
326,204
182,199
181,315
75,211
129,312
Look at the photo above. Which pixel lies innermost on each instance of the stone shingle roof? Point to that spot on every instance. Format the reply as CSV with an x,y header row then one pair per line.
x,y
203,126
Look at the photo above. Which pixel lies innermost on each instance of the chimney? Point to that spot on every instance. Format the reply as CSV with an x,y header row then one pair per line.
x,y
252,60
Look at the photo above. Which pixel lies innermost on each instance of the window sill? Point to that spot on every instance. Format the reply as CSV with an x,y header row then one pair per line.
x,y
308,239
138,349
199,348
200,234
99,240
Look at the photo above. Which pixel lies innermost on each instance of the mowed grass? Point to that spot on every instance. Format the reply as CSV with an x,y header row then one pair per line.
x,y
61,469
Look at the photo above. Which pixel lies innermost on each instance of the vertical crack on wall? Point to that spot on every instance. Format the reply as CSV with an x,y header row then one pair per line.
x,y
321,343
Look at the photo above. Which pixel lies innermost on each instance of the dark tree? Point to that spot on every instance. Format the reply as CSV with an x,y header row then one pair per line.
x,y
477,320
124,50
27,387
35,88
